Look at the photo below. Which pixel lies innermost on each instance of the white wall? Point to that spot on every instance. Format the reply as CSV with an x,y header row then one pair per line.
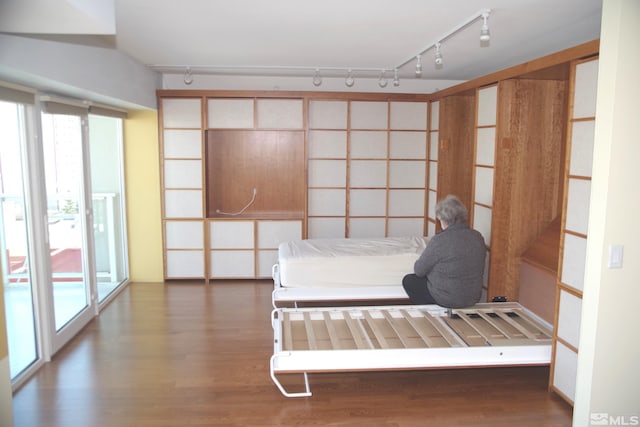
x,y
608,378
99,74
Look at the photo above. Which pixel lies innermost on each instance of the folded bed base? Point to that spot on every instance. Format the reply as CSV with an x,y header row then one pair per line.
x,y
311,340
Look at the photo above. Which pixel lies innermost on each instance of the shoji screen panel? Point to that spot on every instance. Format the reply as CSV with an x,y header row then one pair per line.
x,y
407,166
182,201
367,164
484,167
327,168
257,143
432,187
574,228
231,247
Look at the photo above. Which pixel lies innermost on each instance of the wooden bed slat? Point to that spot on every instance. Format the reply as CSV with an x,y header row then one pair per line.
x,y
331,329
473,336
418,328
357,332
444,330
541,329
515,324
288,335
311,335
392,322
492,321
376,330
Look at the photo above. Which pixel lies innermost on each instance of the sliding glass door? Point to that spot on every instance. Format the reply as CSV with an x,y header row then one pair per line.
x,y
64,151
62,221
107,186
15,247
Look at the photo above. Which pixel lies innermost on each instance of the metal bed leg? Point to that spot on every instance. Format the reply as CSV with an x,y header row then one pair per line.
x,y
307,391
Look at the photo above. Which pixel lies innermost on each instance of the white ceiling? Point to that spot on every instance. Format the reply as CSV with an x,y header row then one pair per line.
x,y
376,34
293,37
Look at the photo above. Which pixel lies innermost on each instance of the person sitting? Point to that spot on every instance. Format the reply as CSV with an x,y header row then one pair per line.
x,y
449,272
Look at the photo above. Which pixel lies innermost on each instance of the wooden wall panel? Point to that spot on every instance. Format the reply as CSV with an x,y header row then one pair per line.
x,y
528,184
270,161
456,147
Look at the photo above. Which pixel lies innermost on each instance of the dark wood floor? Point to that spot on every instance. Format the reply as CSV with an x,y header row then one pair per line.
x,y
196,355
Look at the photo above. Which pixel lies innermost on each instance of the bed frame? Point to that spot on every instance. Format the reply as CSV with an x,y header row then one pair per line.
x,y
308,340
349,269
284,295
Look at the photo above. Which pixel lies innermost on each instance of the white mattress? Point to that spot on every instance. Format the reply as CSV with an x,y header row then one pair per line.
x,y
331,263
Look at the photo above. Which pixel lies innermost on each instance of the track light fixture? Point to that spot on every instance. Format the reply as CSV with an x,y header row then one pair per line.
x,y
188,77
439,62
484,30
317,79
418,65
396,80
382,81
349,81
438,59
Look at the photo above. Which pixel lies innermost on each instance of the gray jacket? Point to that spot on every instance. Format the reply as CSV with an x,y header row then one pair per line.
x,y
453,263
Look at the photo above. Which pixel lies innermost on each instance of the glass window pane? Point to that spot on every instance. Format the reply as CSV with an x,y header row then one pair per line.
x,y
14,244
105,136
62,145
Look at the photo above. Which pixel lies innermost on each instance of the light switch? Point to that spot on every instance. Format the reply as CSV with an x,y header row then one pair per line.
x,y
615,256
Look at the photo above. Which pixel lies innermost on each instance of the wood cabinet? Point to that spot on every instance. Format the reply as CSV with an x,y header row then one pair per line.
x,y
224,158
242,173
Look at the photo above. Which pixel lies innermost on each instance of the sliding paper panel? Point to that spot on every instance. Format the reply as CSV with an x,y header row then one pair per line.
x,y
327,202
326,228
573,261
368,145
182,143
328,114
327,144
230,113
366,227
409,115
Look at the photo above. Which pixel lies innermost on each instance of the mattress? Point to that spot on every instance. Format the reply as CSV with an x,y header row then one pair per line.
x,y
339,263
308,340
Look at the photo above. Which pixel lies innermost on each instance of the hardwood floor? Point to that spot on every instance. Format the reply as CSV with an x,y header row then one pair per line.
x,y
187,354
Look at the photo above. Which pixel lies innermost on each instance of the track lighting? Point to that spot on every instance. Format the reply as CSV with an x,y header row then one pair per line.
x,y
396,80
317,80
332,72
439,62
349,80
484,30
188,77
382,81
438,59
